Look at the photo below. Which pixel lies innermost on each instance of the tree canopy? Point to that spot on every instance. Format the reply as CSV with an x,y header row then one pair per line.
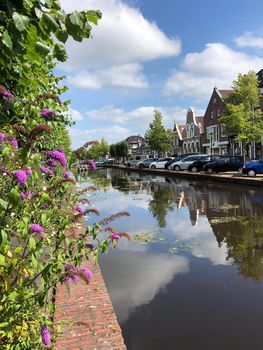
x,y
243,116
159,138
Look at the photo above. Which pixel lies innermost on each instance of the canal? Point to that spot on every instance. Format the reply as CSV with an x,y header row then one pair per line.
x,y
191,278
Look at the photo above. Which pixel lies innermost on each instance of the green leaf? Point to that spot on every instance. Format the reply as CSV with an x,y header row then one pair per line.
x,y
42,48
75,19
6,39
21,21
93,16
49,22
38,12
32,243
3,203
60,53
3,238
14,196
62,35
2,260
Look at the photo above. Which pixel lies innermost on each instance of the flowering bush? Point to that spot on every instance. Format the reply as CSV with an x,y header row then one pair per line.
x,y
35,251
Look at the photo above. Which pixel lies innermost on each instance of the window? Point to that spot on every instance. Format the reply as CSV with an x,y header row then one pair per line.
x,y
214,100
212,114
218,112
223,130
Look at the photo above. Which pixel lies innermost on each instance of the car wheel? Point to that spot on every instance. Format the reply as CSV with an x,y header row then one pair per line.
x,y
141,166
176,168
153,167
128,165
194,169
209,170
252,172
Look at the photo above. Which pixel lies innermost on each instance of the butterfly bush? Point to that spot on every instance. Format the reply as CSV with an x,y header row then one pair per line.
x,y
39,202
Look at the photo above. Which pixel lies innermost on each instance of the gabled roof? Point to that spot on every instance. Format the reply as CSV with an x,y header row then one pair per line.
x,y
135,139
199,120
224,93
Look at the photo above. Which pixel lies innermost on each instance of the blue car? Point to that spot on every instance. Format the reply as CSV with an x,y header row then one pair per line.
x,y
254,168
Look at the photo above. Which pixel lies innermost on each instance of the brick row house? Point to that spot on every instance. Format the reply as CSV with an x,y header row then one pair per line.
x,y
205,134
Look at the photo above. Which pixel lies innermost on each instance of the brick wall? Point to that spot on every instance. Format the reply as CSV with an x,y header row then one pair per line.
x,y
87,316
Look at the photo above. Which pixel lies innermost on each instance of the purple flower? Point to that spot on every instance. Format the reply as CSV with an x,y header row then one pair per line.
x,y
78,209
66,175
13,142
71,268
91,164
7,94
42,207
51,163
36,228
61,149
47,113
74,278
115,236
43,236
2,136
68,280
46,170
29,172
59,156
4,170
22,195
20,177
29,194
45,335
86,271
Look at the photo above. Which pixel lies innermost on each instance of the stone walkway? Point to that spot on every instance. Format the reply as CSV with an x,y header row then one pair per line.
x,y
86,315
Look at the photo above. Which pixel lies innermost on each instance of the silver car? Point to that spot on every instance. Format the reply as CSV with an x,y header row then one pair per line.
x,y
185,162
133,161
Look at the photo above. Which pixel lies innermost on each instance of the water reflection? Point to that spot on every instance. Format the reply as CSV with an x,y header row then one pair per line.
x,y
193,285
132,286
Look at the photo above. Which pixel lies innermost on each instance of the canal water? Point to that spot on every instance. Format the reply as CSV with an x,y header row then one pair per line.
x,y
191,278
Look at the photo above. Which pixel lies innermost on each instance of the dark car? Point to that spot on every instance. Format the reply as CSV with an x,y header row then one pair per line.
x,y
197,166
146,163
225,163
177,158
253,168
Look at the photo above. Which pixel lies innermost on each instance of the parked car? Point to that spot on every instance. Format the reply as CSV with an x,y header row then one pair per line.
x,y
160,163
184,163
177,158
133,161
253,168
197,165
108,162
146,163
225,163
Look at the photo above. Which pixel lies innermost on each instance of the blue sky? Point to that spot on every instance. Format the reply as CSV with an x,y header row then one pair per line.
x,y
147,54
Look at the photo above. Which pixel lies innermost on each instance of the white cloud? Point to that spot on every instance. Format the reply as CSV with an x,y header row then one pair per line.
x,y
141,116
249,40
75,115
122,36
126,75
217,65
112,134
139,278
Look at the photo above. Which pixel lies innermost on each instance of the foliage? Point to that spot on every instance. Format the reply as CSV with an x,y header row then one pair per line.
x,y
242,114
98,150
38,198
119,149
159,138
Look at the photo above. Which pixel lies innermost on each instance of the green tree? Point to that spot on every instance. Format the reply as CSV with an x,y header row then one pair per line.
x,y
98,150
113,150
121,149
159,138
242,111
